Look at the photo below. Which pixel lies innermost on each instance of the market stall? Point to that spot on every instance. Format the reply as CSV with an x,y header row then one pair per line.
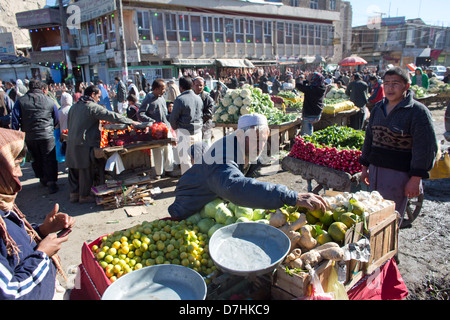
x,y
125,156
251,100
346,247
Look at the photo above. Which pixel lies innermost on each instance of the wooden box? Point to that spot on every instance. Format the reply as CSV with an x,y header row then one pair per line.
x,y
382,232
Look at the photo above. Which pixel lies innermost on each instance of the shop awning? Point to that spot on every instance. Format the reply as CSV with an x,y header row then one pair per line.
x,y
235,63
193,62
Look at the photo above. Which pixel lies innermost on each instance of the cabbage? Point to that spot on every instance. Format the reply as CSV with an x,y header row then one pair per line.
x,y
258,214
230,220
244,212
224,117
341,91
264,221
245,93
247,101
211,207
242,219
195,218
238,101
219,110
205,224
226,101
214,228
232,109
333,90
330,95
337,96
232,207
245,110
222,214
235,93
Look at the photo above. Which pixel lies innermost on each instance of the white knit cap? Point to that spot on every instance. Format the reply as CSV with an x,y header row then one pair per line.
x,y
250,120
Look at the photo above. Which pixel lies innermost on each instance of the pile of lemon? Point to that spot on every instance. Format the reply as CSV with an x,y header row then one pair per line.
x,y
152,243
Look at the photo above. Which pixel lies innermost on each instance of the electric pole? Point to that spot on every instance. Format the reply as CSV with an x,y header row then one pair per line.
x,y
122,43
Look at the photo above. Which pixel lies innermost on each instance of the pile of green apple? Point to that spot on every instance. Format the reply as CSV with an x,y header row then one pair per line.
x,y
152,243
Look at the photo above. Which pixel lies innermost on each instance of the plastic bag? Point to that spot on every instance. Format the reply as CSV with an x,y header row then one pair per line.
x,y
334,286
315,289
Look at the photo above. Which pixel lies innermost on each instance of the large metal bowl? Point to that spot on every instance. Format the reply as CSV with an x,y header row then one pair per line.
x,y
248,248
158,282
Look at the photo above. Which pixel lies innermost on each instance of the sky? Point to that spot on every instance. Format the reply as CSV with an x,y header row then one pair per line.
x,y
432,12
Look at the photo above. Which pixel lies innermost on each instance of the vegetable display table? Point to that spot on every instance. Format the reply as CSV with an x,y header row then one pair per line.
x,y
286,131
325,177
340,119
136,157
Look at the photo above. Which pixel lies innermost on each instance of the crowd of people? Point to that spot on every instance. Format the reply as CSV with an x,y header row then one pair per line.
x,y
399,149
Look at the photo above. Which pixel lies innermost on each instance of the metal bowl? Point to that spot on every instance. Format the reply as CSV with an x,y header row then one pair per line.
x,y
158,282
248,248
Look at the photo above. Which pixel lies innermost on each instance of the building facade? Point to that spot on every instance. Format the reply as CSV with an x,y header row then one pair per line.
x,y
163,38
400,42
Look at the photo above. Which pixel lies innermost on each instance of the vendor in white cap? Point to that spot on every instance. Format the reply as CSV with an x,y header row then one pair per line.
x,y
227,171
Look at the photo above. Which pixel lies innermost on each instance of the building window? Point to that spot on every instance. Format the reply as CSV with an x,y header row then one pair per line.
x,y
196,29
143,23
183,26
318,34
112,28
289,32
249,31
304,34
157,25
258,31
98,31
333,5
218,29
84,35
295,3
280,32
267,32
314,4
331,34
229,30
207,29
105,29
311,34
171,26
239,30
91,33
296,33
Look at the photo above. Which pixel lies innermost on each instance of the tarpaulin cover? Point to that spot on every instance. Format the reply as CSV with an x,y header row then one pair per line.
x,y
386,283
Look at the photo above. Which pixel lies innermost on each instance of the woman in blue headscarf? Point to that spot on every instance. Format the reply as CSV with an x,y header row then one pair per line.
x,y
314,90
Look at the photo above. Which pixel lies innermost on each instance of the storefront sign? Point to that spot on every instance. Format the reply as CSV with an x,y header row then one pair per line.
x,y
90,10
82,60
149,49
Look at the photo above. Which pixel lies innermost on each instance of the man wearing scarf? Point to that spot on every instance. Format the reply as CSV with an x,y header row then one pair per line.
x,y
314,90
83,123
28,259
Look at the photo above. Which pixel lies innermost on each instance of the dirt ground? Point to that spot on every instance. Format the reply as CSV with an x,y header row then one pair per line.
x,y
424,250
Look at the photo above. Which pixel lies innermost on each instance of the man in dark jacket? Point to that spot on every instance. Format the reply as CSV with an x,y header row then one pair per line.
x,y
186,119
6,106
121,95
37,116
227,171
400,146
357,90
314,90
208,109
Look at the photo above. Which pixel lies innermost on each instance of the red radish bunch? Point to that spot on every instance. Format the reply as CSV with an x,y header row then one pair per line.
x,y
342,160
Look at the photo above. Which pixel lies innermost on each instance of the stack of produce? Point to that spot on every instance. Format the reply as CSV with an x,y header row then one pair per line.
x,y
151,243
333,106
249,100
336,94
132,135
436,87
317,235
334,147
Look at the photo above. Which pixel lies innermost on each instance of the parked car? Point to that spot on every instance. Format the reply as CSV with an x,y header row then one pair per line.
x,y
439,71
447,123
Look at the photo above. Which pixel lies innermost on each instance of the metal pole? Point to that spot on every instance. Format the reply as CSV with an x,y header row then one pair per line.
x,y
122,43
64,43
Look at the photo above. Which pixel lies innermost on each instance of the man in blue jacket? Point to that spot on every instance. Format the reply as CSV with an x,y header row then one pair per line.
x,y
226,171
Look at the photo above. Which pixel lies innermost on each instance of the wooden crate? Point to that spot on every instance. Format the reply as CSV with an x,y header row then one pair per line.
x,y
382,232
295,285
